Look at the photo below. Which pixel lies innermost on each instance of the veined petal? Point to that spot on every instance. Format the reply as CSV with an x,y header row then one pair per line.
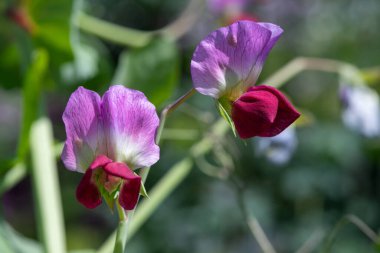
x,y
276,33
130,124
232,56
83,129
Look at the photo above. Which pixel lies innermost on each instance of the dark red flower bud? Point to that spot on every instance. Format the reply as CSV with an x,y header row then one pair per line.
x,y
262,111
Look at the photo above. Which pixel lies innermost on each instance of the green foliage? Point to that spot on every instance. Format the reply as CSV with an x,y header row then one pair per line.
x,y
13,242
32,90
52,26
153,70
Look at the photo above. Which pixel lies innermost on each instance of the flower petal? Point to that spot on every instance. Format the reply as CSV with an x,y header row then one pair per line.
x,y
129,193
262,111
276,33
82,129
119,170
99,162
254,112
87,192
130,124
232,55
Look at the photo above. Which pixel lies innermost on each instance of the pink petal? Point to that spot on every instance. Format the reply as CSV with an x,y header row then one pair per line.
x,y
262,111
130,125
119,170
129,193
87,192
99,162
232,55
82,129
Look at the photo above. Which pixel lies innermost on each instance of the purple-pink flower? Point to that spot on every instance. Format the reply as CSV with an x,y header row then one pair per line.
x,y
107,139
227,62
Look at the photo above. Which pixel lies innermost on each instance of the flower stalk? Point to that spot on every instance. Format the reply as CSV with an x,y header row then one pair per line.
x,y
165,112
125,219
253,224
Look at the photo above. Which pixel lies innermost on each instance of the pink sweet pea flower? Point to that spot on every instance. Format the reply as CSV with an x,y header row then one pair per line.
x,y
107,138
227,63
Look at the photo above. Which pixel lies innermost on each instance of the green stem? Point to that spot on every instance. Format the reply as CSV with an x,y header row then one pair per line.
x,y
122,230
300,64
284,74
218,130
253,224
136,38
355,221
312,243
165,112
121,234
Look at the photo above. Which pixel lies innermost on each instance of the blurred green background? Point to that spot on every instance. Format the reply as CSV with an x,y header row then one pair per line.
x,y
49,48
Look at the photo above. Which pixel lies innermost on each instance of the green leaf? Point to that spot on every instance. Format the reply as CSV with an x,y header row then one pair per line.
x,y
32,89
52,24
223,112
13,242
153,69
12,177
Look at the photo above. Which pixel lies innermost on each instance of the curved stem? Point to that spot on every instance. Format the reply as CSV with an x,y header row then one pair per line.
x,y
137,38
165,112
125,219
358,223
300,64
253,224
121,232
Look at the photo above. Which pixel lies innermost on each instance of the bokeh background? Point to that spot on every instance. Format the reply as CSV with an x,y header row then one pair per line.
x,y
322,172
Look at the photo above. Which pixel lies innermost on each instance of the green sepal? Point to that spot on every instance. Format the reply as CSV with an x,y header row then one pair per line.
x,y
225,111
109,198
143,191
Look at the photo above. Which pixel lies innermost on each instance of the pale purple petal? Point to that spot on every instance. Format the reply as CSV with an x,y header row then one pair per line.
x,y
232,55
130,124
83,129
276,33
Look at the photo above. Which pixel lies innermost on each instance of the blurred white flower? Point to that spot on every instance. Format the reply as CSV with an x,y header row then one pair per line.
x,y
361,110
278,149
